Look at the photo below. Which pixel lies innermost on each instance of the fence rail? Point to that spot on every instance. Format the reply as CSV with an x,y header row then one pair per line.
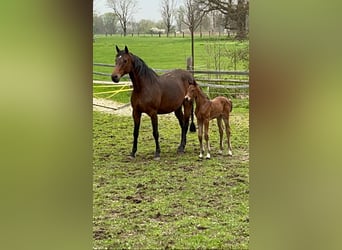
x,y
230,83
202,81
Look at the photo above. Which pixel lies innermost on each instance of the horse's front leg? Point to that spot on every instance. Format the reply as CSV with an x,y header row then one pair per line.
x,y
206,137
136,118
154,120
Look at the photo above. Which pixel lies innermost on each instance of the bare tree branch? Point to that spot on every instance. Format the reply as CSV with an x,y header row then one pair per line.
x,y
124,10
168,13
235,12
193,14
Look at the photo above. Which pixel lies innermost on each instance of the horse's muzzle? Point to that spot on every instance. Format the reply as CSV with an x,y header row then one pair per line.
x,y
115,78
187,98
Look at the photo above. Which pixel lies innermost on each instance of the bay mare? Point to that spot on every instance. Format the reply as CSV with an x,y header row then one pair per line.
x,y
206,110
153,95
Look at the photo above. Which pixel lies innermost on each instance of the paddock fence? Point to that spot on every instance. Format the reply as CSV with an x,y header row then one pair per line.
x,y
233,84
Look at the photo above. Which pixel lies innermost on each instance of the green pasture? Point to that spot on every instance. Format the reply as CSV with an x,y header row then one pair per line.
x,y
168,52
179,202
163,53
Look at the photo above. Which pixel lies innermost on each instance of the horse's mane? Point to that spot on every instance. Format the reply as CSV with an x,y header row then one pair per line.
x,y
200,92
142,68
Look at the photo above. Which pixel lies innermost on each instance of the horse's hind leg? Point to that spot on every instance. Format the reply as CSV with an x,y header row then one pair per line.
x,y
226,122
219,125
180,117
192,124
186,118
183,120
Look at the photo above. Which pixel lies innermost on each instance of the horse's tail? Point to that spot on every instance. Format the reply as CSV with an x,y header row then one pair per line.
x,y
192,124
231,105
193,82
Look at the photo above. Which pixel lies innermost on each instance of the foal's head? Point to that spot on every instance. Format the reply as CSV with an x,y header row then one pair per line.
x,y
192,92
123,64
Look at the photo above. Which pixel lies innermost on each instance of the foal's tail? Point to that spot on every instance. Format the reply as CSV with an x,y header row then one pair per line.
x,y
192,124
231,105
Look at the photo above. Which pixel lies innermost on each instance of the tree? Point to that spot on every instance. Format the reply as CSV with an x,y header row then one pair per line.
x,y
192,18
98,26
168,13
235,11
124,10
180,18
110,22
145,25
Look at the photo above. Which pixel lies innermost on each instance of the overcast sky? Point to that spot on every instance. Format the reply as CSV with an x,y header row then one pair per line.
x,y
147,9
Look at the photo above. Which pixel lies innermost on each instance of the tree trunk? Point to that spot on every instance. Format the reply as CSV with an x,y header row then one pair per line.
x,y
192,50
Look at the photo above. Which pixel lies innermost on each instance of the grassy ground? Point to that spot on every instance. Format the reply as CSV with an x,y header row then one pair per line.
x,y
167,53
164,53
178,202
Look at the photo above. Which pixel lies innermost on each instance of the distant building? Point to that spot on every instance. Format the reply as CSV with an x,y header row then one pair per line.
x,y
155,30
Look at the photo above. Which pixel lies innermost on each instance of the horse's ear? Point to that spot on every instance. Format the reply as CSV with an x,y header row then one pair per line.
x,y
117,48
126,49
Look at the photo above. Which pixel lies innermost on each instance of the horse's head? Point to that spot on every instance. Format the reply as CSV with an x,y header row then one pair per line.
x,y
123,64
191,93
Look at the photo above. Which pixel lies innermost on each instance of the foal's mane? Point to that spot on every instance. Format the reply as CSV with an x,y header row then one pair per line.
x,y
142,68
200,92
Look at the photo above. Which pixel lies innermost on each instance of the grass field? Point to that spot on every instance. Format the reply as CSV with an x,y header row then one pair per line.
x,y
165,53
169,53
179,202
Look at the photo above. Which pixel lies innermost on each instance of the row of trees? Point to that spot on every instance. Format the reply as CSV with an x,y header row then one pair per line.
x,y
109,24
192,15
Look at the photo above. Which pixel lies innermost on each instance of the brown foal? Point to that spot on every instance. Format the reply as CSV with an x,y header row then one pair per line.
x,y
206,110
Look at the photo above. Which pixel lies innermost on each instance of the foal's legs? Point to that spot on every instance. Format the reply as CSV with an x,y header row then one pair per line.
x,y
219,125
136,118
200,134
206,137
154,120
226,122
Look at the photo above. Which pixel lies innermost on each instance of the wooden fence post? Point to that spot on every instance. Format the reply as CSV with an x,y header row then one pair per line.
x,y
189,63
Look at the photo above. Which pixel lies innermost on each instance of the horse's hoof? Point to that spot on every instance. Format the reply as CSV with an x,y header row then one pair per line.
x,y
131,157
180,151
230,153
156,158
192,127
207,157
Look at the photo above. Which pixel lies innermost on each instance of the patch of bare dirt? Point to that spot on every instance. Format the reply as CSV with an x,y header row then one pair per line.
x,y
112,107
